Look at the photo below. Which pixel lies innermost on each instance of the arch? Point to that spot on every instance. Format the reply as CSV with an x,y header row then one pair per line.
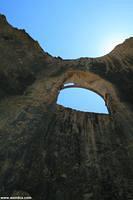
x,y
82,99
82,79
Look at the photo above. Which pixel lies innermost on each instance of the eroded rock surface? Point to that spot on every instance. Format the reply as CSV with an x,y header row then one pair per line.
x,y
53,153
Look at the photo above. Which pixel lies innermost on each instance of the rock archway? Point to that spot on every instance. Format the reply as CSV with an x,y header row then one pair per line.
x,y
81,99
50,152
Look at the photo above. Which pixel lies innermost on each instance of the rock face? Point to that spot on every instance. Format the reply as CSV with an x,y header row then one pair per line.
x,y
49,152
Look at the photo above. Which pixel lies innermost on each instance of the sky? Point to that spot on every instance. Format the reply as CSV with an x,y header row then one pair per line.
x,y
70,98
72,28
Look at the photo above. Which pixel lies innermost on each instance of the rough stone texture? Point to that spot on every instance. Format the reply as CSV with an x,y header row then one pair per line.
x,y
50,152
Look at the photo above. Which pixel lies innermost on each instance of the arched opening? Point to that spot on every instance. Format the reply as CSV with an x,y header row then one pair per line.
x,y
81,99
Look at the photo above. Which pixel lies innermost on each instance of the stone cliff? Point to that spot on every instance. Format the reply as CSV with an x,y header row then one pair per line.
x,y
50,152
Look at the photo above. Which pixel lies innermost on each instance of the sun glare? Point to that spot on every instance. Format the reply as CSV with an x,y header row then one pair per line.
x,y
109,44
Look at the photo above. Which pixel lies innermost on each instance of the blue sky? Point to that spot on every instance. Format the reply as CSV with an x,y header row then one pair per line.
x,y
88,101
73,28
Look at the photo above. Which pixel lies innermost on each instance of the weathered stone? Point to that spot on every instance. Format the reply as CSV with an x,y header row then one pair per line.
x,y
52,152
20,195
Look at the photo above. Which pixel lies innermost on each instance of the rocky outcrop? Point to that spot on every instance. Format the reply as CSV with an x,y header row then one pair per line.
x,y
49,152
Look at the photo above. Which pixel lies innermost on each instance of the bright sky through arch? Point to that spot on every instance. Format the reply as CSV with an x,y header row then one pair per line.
x,y
82,99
